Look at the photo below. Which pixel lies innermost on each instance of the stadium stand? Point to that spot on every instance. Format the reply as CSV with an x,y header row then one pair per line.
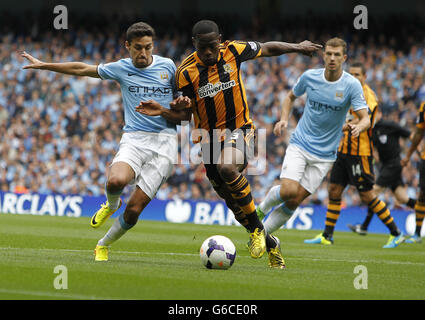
x,y
59,133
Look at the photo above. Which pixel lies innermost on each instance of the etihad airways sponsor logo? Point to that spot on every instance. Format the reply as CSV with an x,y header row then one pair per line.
x,y
210,90
323,107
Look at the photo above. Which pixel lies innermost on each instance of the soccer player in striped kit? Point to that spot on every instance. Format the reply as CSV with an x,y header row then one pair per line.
x,y
211,77
420,203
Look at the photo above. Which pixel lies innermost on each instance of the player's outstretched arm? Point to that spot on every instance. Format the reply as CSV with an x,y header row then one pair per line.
x,y
416,139
179,111
72,68
277,48
286,110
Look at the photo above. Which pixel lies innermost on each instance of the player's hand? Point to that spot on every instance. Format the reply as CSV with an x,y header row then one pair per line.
x,y
35,63
278,128
308,48
180,103
150,108
345,127
404,162
354,129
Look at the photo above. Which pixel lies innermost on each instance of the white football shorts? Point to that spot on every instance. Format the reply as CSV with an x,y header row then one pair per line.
x,y
308,170
151,156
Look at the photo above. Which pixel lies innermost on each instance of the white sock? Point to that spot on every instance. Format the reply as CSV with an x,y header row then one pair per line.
x,y
118,229
277,218
271,200
113,199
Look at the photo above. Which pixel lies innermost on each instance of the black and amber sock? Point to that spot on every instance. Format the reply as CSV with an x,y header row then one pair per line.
x,y
332,215
270,242
241,193
368,219
380,209
241,218
411,203
420,215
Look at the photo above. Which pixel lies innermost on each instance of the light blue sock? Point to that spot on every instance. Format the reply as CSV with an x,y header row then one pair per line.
x,y
271,200
278,218
113,198
118,229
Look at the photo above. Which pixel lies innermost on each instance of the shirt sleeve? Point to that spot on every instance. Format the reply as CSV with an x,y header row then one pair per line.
x,y
183,84
357,97
420,123
176,93
246,50
109,71
300,86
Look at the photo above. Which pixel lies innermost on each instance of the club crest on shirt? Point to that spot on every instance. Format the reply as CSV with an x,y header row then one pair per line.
x,y
339,95
163,76
227,68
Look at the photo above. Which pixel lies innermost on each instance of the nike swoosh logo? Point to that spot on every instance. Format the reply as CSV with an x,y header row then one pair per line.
x,y
93,220
131,74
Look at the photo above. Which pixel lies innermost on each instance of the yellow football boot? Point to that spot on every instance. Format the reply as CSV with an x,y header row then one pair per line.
x,y
102,215
257,244
101,253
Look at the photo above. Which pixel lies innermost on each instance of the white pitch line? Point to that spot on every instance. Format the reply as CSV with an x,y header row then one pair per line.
x,y
196,254
53,294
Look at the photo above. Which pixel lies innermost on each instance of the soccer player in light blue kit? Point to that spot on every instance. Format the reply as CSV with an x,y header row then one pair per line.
x,y
313,145
148,147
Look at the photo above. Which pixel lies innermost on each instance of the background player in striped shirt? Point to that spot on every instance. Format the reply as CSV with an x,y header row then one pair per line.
x,y
420,203
354,165
386,136
211,77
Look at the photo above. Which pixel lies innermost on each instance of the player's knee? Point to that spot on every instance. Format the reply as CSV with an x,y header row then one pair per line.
x,y
115,184
334,191
228,172
367,197
288,192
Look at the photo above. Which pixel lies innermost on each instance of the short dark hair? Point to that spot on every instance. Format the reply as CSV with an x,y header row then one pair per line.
x,y
138,30
337,42
203,27
358,64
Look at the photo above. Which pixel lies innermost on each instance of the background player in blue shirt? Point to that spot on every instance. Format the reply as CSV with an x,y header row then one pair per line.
x,y
148,147
312,150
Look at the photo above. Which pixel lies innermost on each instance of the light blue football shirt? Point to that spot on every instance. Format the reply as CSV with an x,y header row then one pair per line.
x,y
319,130
155,82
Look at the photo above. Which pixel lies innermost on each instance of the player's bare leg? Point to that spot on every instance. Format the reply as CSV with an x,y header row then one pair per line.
x,y
136,204
120,174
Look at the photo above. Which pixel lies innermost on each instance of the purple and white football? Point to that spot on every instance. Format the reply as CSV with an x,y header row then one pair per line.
x,y
218,252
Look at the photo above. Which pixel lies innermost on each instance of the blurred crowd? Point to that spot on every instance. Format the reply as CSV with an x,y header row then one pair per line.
x,y
58,133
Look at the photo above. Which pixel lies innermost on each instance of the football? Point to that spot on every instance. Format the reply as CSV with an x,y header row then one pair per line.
x,y
218,252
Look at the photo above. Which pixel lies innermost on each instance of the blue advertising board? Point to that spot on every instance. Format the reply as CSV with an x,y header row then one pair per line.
x,y
188,211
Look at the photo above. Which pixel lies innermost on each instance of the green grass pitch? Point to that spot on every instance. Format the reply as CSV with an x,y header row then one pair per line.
x,y
158,261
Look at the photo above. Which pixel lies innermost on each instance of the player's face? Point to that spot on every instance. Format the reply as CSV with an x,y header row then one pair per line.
x,y
334,57
358,73
140,50
207,47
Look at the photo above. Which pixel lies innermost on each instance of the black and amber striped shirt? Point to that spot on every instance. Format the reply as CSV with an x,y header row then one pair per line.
x,y
361,145
420,123
217,92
